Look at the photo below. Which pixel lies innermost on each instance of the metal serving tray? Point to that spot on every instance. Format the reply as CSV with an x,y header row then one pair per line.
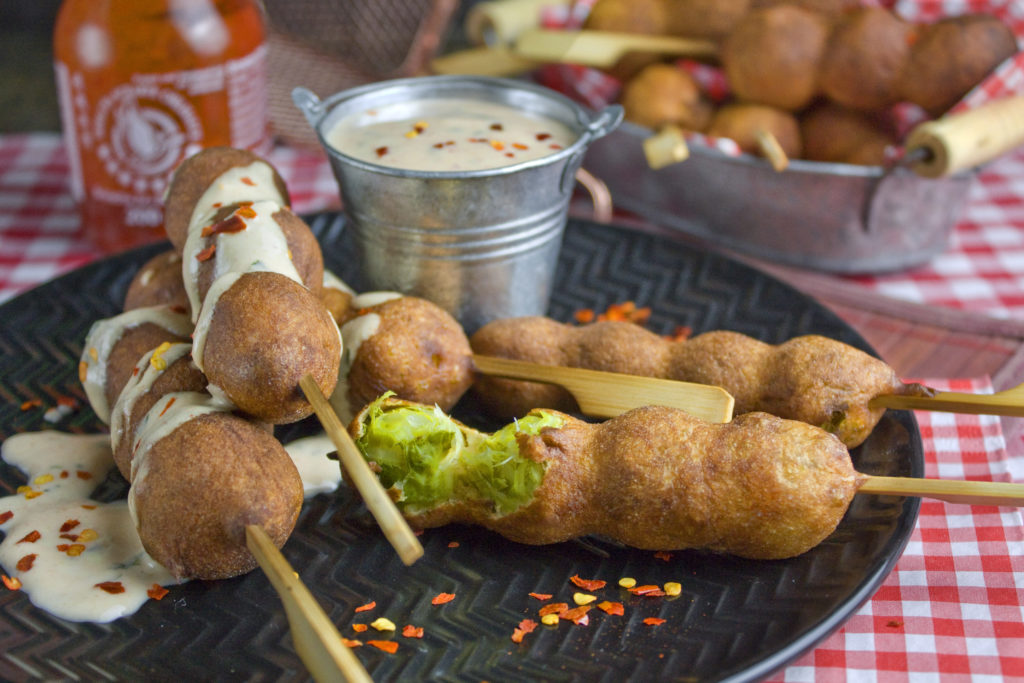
x,y
831,217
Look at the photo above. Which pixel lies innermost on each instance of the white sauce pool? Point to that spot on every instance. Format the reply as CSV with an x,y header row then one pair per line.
x,y
454,134
62,471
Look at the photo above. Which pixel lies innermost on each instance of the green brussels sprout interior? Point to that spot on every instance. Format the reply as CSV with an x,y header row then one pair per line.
x,y
424,456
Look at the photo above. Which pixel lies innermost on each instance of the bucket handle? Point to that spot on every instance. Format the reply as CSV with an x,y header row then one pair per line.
x,y
309,104
605,122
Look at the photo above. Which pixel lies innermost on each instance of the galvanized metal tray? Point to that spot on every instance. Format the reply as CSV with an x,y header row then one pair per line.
x,y
831,217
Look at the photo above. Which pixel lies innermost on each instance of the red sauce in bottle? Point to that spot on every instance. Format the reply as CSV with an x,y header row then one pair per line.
x,y
142,85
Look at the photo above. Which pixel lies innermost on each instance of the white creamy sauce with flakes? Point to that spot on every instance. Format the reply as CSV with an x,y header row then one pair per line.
x,y
319,473
448,134
62,471
353,334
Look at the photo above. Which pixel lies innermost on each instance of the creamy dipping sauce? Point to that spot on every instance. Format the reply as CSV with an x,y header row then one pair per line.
x,y
80,559
448,135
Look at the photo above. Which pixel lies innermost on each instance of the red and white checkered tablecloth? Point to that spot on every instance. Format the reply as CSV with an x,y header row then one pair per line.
x,y
953,608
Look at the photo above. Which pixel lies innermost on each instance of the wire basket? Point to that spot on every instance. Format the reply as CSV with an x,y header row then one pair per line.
x,y
332,45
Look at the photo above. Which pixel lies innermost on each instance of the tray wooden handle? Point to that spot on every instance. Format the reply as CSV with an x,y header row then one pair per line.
x,y
603,48
961,141
950,491
1009,402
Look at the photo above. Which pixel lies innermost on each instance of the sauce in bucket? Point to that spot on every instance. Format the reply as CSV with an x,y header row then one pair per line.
x,y
448,134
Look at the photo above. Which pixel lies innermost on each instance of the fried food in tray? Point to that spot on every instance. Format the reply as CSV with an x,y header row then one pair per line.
x,y
661,95
745,123
759,487
951,56
772,55
864,59
833,133
813,379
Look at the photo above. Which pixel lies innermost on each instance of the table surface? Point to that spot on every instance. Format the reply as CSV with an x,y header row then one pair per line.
x,y
953,608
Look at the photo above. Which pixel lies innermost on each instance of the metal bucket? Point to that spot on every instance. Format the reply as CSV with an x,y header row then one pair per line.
x,y
481,244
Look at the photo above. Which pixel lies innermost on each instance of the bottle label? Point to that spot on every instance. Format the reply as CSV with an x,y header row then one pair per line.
x,y
126,140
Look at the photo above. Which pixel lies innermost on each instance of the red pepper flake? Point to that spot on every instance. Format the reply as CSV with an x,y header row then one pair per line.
x,y
12,584
558,608
519,145
541,596
246,180
389,646
88,506
497,126
498,145
82,474
112,587
442,598
585,315
67,402
663,555
510,155
894,623
31,537
381,151
348,642
554,146
647,591
168,406
157,592
410,631
367,607
478,139
453,544
588,584
525,626
206,254
438,145
681,333
577,615
64,474
654,621
70,537
231,224
25,563
359,628
69,525
245,211
614,608
5,516
35,402
83,372
541,137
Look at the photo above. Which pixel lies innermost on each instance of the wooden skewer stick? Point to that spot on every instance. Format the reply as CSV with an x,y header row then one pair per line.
x,y
607,394
1009,402
951,491
603,48
391,522
316,639
771,149
666,147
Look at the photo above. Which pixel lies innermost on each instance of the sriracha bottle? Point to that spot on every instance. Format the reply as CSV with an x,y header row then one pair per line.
x,y
143,84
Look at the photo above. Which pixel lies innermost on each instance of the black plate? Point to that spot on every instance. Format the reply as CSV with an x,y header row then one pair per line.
x,y
736,619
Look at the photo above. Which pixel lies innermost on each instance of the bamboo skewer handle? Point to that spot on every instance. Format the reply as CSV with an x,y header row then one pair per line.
x,y
603,48
391,522
950,491
607,394
315,637
1009,402
960,141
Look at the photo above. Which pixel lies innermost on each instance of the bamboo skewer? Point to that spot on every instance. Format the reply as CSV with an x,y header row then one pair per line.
x,y
948,490
391,522
603,48
1009,402
315,637
607,394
